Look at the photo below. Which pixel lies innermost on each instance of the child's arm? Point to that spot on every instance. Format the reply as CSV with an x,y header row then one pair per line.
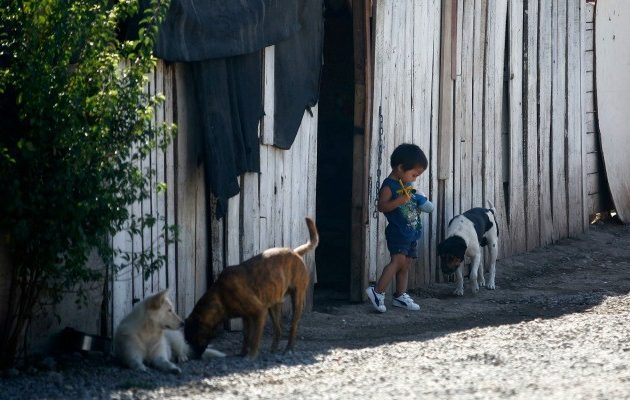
x,y
386,203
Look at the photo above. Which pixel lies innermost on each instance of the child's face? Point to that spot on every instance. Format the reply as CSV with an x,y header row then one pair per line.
x,y
410,175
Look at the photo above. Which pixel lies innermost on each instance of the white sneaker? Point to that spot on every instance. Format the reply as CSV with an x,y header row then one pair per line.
x,y
405,301
377,299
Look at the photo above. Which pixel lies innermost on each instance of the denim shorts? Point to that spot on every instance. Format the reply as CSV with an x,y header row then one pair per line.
x,y
408,248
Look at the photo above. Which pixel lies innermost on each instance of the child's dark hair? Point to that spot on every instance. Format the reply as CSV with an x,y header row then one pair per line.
x,y
409,156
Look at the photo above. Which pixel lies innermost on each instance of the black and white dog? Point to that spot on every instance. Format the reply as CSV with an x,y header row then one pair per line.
x,y
466,236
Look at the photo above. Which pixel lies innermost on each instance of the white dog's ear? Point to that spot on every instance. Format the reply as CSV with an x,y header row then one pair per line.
x,y
157,299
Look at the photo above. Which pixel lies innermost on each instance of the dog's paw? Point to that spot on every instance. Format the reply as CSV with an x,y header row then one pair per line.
x,y
490,286
182,358
175,370
459,292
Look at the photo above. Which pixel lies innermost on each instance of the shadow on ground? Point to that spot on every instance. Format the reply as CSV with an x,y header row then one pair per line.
x,y
570,276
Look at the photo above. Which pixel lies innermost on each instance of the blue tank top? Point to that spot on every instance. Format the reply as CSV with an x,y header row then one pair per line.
x,y
404,223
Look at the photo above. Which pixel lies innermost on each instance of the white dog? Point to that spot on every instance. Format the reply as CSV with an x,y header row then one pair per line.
x,y
151,334
466,235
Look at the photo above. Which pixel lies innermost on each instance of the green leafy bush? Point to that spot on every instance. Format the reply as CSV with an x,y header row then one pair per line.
x,y
75,123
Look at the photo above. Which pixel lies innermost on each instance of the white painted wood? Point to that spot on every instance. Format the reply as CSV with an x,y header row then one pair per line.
x,y
459,116
122,290
312,183
250,215
558,132
148,168
233,246
612,66
532,208
479,38
574,121
516,198
465,131
421,74
499,53
171,186
233,221
387,110
489,101
160,178
186,178
267,167
544,128
435,16
381,33
445,154
269,104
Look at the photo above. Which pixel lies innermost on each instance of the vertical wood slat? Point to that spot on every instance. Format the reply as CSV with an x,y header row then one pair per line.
x,y
545,62
269,95
420,134
122,289
489,102
391,119
362,63
160,166
171,186
532,210
464,130
458,116
559,101
516,198
147,203
479,39
386,103
445,127
435,112
186,178
381,45
499,32
267,172
407,108
574,126
312,183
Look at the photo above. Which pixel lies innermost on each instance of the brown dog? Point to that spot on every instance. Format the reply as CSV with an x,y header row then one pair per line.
x,y
250,290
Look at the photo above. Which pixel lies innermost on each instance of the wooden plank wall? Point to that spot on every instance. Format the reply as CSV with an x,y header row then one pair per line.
x,y
268,212
510,106
406,87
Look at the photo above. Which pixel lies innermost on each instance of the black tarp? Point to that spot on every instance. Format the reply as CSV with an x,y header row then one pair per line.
x,y
197,30
298,64
229,103
223,41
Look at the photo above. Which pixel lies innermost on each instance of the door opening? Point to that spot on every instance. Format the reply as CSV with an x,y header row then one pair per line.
x,y
334,157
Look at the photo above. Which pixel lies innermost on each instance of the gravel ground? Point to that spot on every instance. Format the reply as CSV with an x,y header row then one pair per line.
x,y
556,327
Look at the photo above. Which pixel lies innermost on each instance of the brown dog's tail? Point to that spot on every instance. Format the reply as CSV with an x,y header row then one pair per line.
x,y
313,241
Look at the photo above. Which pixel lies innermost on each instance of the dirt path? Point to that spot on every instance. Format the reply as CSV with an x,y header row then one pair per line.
x,y
556,327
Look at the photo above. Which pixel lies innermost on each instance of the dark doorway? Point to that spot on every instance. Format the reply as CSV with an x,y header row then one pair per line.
x,y
334,157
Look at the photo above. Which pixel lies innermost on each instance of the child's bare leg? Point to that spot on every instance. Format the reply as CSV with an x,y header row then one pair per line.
x,y
396,264
402,277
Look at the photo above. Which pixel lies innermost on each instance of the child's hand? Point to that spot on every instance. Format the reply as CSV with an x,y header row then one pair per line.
x,y
404,198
